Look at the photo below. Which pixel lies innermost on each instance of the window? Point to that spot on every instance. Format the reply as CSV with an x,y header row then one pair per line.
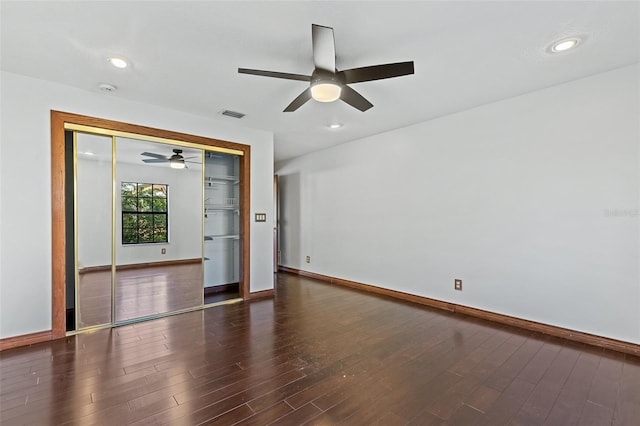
x,y
144,213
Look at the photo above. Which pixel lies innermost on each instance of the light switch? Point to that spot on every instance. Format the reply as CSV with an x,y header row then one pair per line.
x,y
261,217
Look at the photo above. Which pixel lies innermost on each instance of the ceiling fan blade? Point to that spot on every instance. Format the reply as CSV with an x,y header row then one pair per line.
x,y
156,160
192,162
299,101
377,72
354,99
154,155
324,48
275,74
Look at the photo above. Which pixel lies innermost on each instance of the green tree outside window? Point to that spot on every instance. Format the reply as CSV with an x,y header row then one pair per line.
x,y
144,213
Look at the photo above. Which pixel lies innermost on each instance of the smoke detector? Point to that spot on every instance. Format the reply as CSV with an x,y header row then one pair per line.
x,y
106,87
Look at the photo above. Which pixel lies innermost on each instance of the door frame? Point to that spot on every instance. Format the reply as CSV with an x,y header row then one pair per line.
x,y
276,225
58,199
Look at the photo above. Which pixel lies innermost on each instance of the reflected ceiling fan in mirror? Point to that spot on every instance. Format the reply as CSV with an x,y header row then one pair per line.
x,y
327,84
176,161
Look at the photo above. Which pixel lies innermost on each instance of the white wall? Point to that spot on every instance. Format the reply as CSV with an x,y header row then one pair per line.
x,y
25,179
532,202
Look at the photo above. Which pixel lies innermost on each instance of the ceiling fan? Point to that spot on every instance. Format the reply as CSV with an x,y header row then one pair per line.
x,y
327,84
176,161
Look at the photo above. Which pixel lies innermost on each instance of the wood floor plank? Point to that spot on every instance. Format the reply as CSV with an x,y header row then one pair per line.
x,y
595,414
543,397
267,415
232,384
298,416
363,393
538,365
317,354
628,406
507,405
573,396
231,417
315,390
212,406
503,376
482,398
392,419
465,416
604,388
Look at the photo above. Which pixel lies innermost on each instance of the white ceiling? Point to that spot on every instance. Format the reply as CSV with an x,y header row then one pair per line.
x,y
185,55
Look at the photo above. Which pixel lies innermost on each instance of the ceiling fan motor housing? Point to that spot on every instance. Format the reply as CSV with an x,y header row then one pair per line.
x,y
323,76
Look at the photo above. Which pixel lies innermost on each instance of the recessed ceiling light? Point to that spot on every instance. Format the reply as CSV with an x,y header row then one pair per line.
x,y
335,125
564,45
118,62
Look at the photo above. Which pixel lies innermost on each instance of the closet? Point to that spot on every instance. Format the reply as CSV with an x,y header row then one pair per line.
x,y
221,224
152,224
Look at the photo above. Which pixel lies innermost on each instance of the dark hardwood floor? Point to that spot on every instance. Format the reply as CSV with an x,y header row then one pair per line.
x,y
221,295
317,354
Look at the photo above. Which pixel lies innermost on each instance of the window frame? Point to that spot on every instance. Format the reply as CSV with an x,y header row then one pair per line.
x,y
138,212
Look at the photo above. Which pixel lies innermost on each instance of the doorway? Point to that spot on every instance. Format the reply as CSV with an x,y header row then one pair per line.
x,y
134,229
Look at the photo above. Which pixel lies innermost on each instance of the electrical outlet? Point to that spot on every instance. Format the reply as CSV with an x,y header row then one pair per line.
x,y
308,259
457,284
164,250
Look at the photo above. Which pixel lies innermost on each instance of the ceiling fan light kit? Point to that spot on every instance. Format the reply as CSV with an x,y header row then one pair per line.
x,y
327,84
325,92
176,161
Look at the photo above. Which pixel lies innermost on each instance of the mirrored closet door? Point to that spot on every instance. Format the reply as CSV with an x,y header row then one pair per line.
x,y
93,230
157,228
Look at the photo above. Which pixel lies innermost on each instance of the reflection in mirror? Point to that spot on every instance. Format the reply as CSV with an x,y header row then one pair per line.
x,y
158,228
93,229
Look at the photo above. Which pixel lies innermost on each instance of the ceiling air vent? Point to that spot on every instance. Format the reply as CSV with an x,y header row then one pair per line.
x,y
233,114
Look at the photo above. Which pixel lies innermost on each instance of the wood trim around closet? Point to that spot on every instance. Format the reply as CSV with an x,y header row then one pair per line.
x,y
58,222
58,121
